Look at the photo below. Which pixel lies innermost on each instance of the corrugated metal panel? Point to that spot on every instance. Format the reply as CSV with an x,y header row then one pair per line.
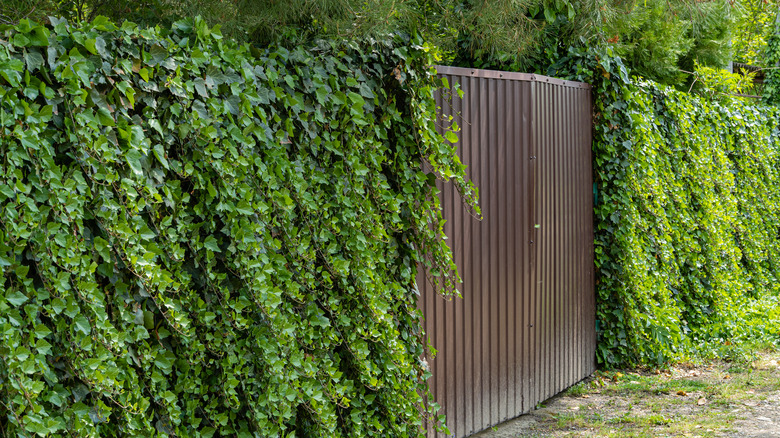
x,y
525,327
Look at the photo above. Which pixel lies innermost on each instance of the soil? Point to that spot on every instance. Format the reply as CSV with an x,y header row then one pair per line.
x,y
710,400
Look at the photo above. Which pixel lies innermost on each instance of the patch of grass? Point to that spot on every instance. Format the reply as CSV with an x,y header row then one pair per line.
x,y
676,403
655,385
566,420
640,424
622,419
578,390
739,368
657,420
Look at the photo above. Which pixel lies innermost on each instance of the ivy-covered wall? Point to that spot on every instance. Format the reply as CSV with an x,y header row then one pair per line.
x,y
687,218
204,239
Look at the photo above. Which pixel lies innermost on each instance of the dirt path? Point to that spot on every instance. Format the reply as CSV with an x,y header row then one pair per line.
x,y
713,400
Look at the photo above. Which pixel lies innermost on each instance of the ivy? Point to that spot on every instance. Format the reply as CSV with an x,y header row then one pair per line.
x,y
771,90
687,216
205,239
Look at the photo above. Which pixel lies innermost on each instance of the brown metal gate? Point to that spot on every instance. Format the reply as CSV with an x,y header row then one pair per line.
x,y
525,327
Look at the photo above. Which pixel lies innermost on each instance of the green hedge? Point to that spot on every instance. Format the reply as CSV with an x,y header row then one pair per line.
x,y
687,218
204,239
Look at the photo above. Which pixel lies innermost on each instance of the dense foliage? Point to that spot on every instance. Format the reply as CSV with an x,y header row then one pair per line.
x,y
687,218
656,38
203,239
771,90
753,25
661,45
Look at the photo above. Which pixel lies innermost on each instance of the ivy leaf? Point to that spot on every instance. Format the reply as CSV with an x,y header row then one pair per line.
x,y
211,243
105,117
549,14
128,91
133,158
90,45
103,24
16,299
158,54
356,99
451,137
10,70
164,361
159,152
41,331
245,208
102,247
322,94
33,59
100,47
39,36
144,73
82,324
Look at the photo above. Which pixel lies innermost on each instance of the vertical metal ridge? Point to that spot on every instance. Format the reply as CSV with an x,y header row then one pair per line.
x,y
511,265
513,199
548,242
568,335
493,226
500,250
474,101
557,320
581,256
562,244
451,309
551,241
574,312
485,257
572,210
460,221
533,295
574,245
527,210
543,263
473,425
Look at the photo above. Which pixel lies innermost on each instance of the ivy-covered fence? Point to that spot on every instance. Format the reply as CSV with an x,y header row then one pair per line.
x,y
687,218
203,239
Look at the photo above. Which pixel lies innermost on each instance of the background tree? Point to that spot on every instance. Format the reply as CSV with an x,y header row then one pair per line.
x,y
753,25
142,11
658,39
